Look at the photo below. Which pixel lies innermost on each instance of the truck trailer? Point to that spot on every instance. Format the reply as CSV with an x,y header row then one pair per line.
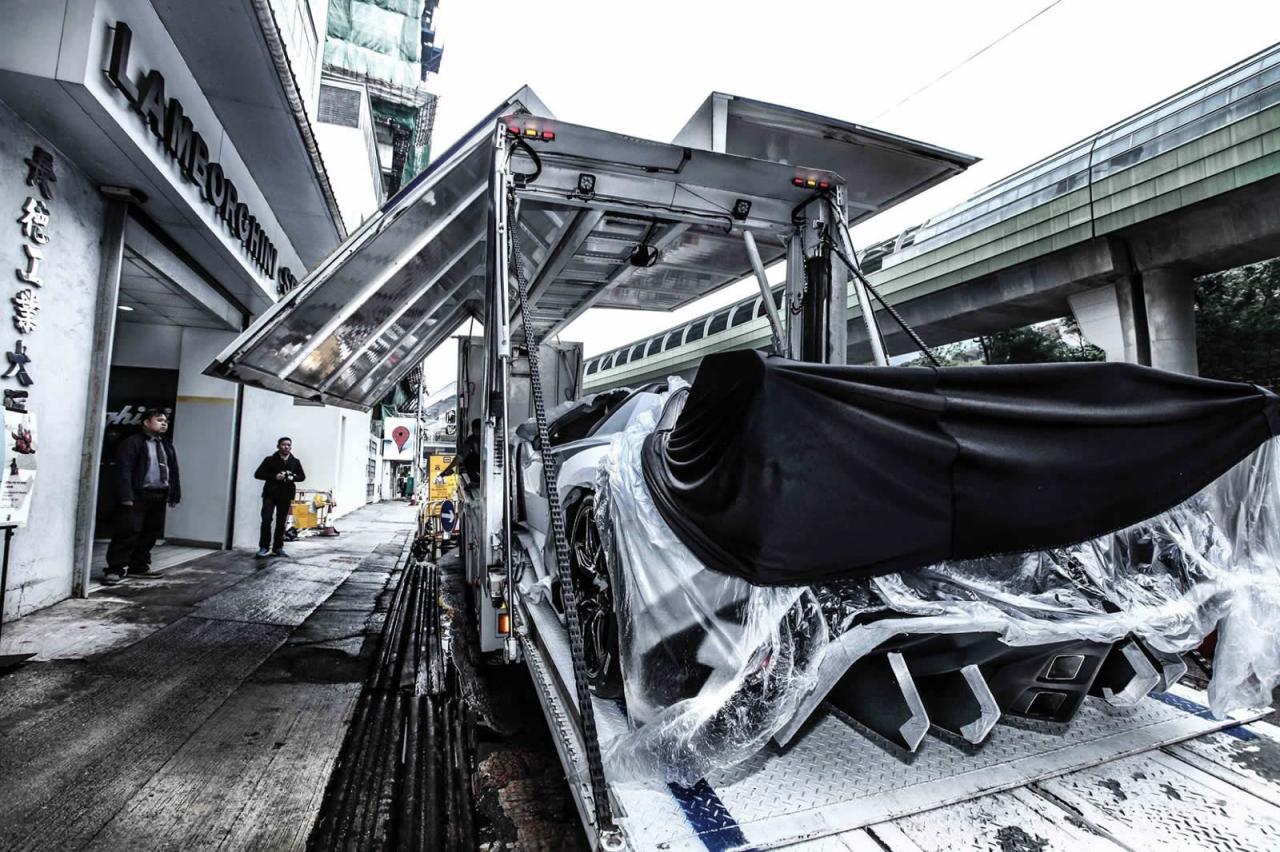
x,y
769,727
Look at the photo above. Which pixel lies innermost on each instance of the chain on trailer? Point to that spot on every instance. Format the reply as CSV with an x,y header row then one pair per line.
x,y
910,332
610,836
851,263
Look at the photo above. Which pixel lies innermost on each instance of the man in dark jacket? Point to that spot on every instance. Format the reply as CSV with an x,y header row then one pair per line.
x,y
278,472
146,480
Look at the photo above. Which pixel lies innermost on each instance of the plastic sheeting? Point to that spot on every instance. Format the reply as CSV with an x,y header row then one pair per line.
x,y
714,666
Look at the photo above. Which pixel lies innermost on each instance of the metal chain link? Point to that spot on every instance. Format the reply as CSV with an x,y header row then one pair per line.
x,y
568,596
797,304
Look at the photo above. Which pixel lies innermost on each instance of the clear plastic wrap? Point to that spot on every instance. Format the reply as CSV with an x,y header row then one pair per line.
x,y
714,667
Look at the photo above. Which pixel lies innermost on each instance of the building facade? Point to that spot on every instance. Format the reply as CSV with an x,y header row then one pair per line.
x,y
387,48
170,174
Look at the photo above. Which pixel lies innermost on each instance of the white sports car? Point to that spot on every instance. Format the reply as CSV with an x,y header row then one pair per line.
x,y
724,663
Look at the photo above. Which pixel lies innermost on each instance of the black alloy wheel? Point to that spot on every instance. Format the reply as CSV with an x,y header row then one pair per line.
x,y
595,602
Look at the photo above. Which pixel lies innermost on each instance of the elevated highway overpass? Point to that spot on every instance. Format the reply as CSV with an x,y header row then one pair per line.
x,y
1113,229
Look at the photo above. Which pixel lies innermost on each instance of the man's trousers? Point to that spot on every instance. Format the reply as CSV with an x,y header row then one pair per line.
x,y
279,509
135,531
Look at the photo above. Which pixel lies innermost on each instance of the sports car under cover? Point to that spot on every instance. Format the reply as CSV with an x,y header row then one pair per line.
x,y
918,547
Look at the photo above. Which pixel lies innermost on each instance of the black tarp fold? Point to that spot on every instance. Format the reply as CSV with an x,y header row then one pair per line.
x,y
786,473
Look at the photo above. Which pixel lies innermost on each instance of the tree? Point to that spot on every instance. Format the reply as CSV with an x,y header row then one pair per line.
x,y
1055,341
1238,324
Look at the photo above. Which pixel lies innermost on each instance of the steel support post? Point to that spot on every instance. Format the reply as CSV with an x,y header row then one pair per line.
x,y
8,661
794,292
814,308
859,288
775,322
95,415
814,312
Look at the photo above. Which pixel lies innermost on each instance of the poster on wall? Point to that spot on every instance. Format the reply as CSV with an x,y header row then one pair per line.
x,y
397,436
19,467
442,487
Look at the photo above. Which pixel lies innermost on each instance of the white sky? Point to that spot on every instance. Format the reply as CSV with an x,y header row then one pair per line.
x,y
643,67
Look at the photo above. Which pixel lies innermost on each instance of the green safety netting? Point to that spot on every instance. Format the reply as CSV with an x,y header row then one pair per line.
x,y
417,121
379,38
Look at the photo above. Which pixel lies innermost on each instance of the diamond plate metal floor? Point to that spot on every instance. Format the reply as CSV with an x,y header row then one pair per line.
x,y
833,780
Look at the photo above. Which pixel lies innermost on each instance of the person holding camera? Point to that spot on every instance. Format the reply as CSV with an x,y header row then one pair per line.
x,y
279,472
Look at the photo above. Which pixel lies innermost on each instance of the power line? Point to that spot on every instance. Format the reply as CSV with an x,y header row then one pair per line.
x,y
966,61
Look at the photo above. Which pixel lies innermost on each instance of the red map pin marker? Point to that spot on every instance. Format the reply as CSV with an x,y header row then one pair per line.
x,y
400,435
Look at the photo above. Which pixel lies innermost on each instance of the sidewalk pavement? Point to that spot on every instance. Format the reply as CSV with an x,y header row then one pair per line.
x,y
204,708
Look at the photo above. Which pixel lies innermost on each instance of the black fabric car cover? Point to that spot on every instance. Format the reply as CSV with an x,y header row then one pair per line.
x,y
786,473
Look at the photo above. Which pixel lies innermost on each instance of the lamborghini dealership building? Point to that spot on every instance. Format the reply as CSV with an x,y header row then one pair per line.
x,y
162,169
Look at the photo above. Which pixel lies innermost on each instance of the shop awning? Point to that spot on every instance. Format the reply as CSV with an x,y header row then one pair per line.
x,y
403,284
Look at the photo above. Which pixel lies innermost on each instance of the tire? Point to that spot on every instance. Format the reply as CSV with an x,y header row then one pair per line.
x,y
596,612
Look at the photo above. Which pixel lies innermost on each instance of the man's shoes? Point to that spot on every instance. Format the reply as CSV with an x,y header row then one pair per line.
x,y
280,553
263,553
149,571
113,576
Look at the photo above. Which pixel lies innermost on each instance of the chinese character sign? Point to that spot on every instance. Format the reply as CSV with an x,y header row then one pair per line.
x,y
34,227
35,221
18,463
40,172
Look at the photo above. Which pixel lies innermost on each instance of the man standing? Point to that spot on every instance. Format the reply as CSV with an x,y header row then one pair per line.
x,y
278,472
146,479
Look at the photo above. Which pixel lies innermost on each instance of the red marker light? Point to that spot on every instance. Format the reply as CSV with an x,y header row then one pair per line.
x,y
513,130
826,184
798,181
548,135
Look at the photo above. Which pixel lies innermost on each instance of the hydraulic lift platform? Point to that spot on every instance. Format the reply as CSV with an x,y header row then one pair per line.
x,y
1158,775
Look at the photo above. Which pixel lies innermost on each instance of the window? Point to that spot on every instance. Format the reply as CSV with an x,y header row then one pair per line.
x,y
779,297
593,366
297,27
741,314
696,331
653,346
339,106
718,323
672,340
637,352
622,357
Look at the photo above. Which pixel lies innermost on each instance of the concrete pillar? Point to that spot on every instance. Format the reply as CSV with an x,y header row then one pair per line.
x,y
1171,319
1097,312
1133,321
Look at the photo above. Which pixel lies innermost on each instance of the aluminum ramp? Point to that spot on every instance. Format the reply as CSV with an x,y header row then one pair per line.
x,y
1144,777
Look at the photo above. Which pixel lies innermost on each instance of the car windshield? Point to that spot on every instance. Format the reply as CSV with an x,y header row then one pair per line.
x,y
617,420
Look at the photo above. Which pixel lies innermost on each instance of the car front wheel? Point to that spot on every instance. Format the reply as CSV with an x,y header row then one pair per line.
x,y
595,601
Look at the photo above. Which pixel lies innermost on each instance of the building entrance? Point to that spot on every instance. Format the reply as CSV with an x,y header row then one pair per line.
x,y
169,323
